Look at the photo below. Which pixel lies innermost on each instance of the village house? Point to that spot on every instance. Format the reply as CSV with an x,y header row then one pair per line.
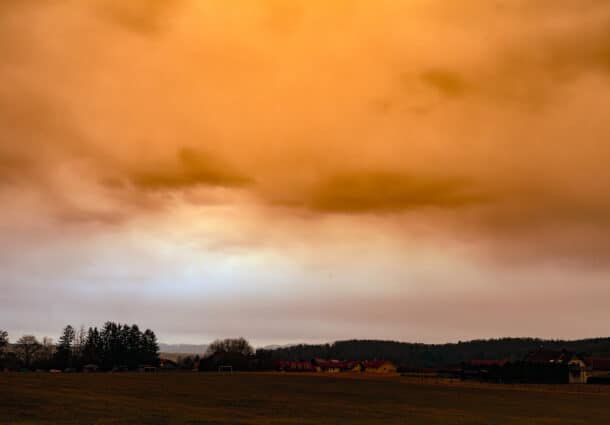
x,y
167,364
296,366
598,370
378,366
576,366
329,366
336,366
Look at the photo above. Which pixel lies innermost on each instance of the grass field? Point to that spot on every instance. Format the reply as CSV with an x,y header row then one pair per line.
x,y
199,398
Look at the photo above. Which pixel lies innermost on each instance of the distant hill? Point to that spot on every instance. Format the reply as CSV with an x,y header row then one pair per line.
x,y
435,355
276,346
183,348
201,348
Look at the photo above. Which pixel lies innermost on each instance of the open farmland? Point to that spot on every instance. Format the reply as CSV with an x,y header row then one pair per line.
x,y
213,399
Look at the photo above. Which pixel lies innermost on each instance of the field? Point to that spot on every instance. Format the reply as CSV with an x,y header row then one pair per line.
x,y
213,399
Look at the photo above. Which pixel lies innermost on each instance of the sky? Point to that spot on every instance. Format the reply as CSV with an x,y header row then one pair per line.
x,y
306,170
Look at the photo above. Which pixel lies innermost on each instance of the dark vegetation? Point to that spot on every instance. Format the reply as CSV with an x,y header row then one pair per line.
x,y
282,399
114,346
121,346
236,352
411,355
524,372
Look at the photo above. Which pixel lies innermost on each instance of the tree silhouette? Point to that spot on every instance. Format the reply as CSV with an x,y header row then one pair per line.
x,y
120,346
150,348
236,352
93,347
230,345
64,348
3,339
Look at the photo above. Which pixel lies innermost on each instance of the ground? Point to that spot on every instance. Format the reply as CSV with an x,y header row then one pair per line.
x,y
274,398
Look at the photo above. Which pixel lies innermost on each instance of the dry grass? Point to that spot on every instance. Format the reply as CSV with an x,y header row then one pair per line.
x,y
213,399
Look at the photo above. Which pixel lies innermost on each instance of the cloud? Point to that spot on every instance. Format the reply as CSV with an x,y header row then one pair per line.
x,y
447,82
192,168
71,216
12,169
384,191
270,104
518,52
260,154
140,16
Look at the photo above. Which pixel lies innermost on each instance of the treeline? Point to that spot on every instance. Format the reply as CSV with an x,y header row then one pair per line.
x,y
126,347
406,356
412,355
114,346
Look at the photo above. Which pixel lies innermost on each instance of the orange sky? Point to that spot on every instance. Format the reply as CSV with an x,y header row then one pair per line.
x,y
306,170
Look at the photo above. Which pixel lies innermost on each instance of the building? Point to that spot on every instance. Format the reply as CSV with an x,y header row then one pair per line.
x,y
328,366
335,366
296,366
598,370
378,366
598,364
563,360
167,364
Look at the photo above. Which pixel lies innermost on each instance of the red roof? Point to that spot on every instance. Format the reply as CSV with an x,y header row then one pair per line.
x,y
598,363
487,363
335,364
296,366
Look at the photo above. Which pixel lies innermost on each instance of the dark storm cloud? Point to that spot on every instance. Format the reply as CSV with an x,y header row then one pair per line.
x,y
191,168
386,191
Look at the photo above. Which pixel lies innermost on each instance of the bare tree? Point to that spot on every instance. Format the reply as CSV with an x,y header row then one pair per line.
x,y
47,349
79,342
27,346
230,345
